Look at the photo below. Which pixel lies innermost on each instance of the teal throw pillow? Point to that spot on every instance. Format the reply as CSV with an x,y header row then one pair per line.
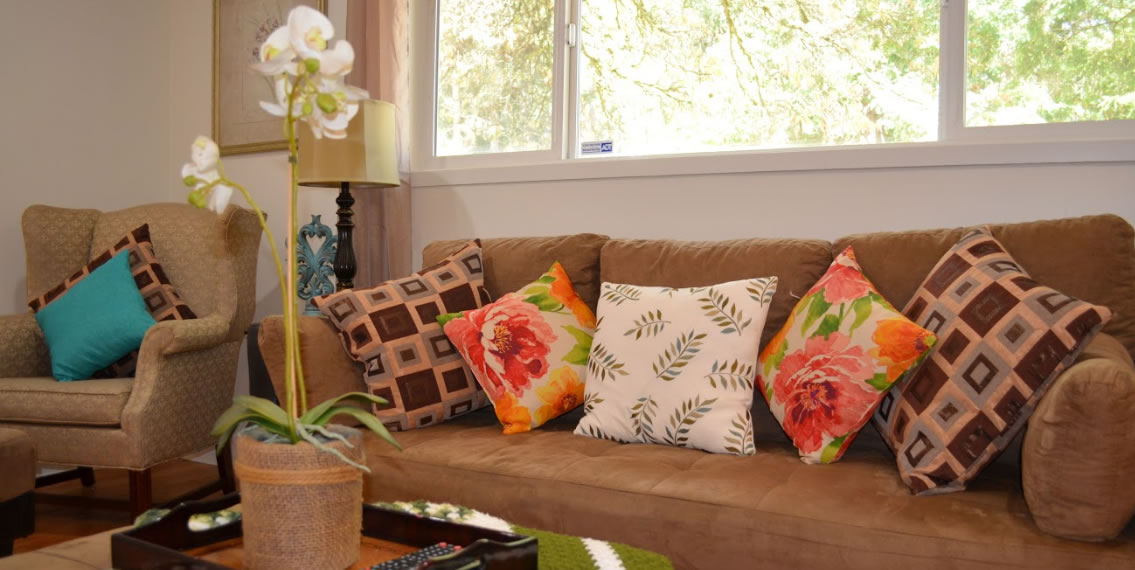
x,y
97,321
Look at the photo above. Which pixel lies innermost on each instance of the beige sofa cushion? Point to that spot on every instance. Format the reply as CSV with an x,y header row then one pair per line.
x,y
45,400
797,264
1091,258
768,510
511,263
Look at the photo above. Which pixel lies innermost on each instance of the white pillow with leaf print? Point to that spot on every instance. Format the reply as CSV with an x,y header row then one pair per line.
x,y
676,366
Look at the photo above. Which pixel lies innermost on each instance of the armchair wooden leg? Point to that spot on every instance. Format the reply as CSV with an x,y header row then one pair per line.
x,y
141,492
225,470
86,476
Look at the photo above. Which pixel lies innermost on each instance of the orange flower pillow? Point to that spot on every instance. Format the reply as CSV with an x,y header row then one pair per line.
x,y
528,350
826,371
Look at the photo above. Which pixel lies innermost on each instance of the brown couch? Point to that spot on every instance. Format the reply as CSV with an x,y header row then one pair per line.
x,y
1069,474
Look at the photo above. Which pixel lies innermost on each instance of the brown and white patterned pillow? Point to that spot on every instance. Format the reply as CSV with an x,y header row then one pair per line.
x,y
392,330
1002,340
162,301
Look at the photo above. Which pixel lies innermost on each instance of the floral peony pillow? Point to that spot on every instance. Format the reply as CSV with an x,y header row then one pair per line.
x,y
676,366
841,349
528,350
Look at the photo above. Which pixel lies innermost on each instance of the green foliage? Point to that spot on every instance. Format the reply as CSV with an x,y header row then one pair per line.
x,y
619,294
274,420
582,349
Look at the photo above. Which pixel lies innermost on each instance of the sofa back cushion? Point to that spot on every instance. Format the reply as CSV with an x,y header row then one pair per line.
x,y
796,263
511,263
1091,258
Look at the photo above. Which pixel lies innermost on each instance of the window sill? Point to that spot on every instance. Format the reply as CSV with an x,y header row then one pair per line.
x,y
860,157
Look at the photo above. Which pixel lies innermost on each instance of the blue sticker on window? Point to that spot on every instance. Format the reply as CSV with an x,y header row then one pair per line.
x,y
597,147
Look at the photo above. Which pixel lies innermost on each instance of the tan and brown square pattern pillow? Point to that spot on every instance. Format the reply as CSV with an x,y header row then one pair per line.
x,y
407,359
1002,340
162,301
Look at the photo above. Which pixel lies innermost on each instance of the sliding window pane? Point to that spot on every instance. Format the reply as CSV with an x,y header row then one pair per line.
x,y
675,76
494,76
1049,61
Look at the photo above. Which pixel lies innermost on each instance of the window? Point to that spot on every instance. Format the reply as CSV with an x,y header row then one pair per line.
x,y
545,80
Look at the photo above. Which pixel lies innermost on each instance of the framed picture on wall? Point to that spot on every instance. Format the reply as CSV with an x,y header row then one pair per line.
x,y
239,28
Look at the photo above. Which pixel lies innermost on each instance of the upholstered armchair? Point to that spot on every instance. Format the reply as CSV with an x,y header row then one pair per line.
x,y
186,368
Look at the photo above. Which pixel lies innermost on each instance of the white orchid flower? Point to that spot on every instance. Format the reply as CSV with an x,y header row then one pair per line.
x,y
280,107
276,54
308,31
202,170
337,61
335,104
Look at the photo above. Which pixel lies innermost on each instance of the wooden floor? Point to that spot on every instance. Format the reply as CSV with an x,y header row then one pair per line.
x,y
60,523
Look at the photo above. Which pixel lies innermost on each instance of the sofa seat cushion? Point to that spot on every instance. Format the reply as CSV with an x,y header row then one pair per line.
x,y
709,510
44,400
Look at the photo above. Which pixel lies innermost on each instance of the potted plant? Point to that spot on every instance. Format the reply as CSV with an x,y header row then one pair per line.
x,y
301,480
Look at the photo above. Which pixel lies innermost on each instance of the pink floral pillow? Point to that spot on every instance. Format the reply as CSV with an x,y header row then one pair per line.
x,y
826,371
528,350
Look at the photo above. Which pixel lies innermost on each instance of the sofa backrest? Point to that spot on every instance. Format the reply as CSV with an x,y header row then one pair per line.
x,y
1090,258
796,263
511,263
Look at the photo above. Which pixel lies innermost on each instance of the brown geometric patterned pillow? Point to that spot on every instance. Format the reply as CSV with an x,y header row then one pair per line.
x,y
162,301
1002,340
407,359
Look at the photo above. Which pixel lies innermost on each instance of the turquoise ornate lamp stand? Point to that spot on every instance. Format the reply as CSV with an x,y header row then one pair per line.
x,y
316,267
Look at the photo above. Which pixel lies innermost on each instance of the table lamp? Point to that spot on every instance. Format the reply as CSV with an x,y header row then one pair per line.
x,y
366,158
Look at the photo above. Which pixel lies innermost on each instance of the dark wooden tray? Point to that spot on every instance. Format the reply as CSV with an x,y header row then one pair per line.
x,y
387,534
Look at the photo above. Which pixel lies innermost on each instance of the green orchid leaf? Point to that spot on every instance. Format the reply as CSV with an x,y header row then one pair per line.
x,y
315,416
368,420
326,103
225,434
582,349
310,438
266,408
831,449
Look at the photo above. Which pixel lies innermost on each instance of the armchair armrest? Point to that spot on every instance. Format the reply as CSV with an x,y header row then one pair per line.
x,y
23,351
172,337
1079,450
328,370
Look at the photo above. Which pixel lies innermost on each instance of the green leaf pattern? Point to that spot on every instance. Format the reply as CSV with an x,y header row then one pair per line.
x,y
734,375
603,365
676,356
723,312
701,344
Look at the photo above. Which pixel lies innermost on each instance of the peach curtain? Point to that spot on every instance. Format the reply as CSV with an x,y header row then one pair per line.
x,y
379,30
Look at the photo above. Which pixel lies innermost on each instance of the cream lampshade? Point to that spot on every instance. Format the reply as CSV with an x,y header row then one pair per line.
x,y
366,158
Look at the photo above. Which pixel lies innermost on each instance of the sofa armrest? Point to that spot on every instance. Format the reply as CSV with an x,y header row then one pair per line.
x,y
1079,449
172,337
328,370
23,351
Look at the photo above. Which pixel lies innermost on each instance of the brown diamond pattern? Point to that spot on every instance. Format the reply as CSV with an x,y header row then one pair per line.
x,y
1006,340
392,329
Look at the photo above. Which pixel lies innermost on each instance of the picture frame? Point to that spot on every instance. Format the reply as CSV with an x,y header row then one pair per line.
x,y
239,28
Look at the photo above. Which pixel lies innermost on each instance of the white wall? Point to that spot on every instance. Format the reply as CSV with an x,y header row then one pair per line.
x,y
820,204
84,112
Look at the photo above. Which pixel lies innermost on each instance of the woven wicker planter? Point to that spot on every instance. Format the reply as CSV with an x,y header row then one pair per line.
x,y
301,507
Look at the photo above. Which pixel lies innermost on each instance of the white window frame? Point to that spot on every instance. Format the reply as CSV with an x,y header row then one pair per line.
x,y
958,145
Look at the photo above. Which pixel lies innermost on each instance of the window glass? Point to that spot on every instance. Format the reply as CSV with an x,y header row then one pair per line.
x,y
674,76
494,76
1049,61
